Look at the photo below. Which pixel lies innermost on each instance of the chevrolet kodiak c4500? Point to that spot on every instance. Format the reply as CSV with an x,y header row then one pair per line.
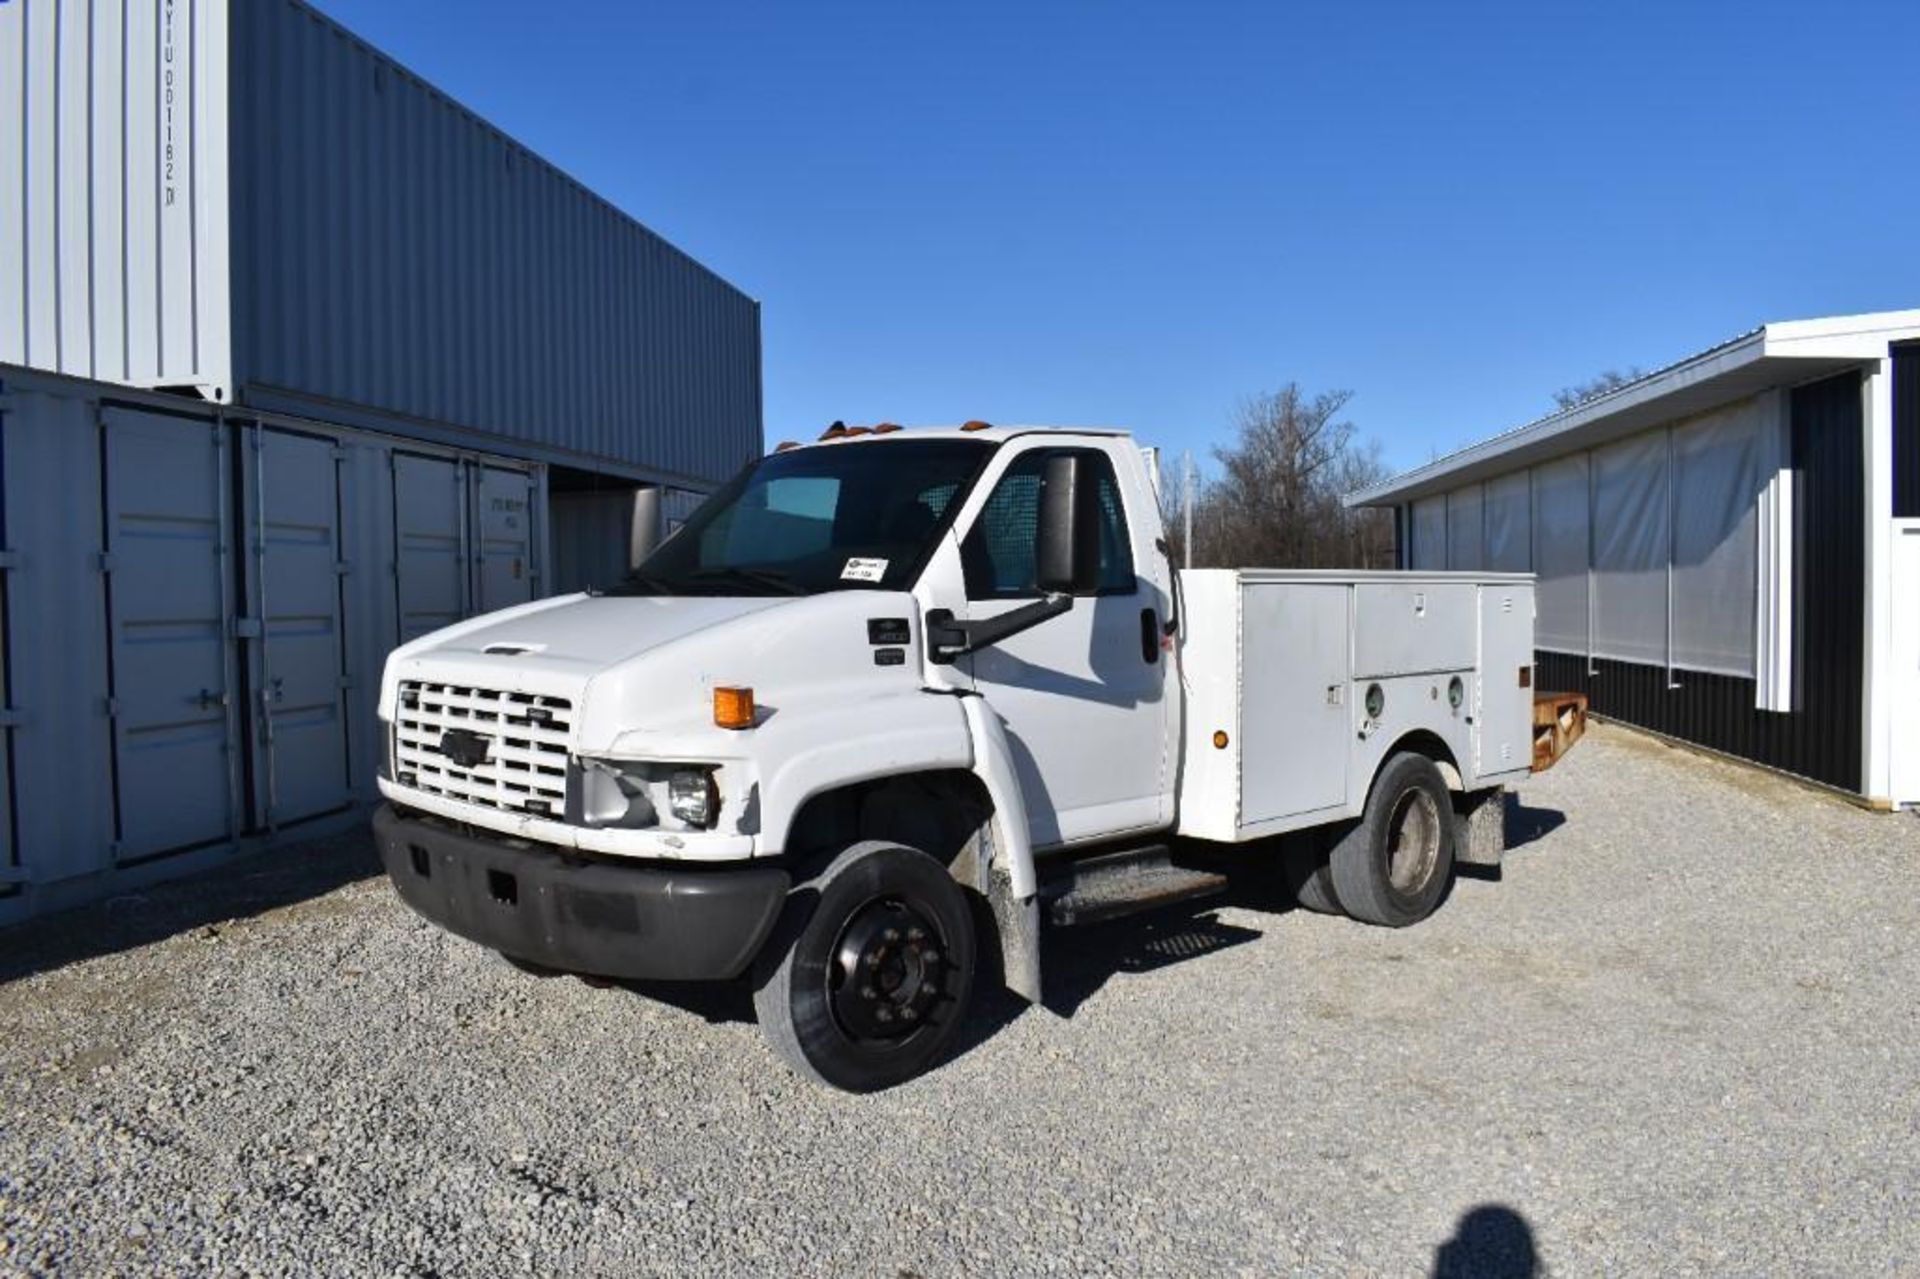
x,y
892,706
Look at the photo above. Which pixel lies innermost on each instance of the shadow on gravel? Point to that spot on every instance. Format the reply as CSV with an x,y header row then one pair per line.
x,y
1491,1241
248,885
1525,824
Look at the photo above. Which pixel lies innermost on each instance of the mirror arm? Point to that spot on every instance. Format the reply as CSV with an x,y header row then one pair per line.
x,y
948,639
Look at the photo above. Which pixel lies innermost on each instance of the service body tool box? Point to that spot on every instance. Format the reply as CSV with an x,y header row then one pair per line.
x,y
1301,682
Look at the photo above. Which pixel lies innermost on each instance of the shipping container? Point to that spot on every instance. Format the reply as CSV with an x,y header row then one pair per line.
x,y
241,199
197,602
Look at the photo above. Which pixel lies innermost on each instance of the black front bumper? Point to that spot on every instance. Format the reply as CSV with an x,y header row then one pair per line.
x,y
639,922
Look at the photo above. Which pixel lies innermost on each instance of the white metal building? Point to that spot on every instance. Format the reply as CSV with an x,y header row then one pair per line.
x,y
298,359
1728,549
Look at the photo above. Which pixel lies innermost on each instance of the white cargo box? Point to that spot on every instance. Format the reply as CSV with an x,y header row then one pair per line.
x,y
1280,666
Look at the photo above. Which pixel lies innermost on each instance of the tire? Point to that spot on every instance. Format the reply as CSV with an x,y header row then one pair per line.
x,y
861,914
1309,878
1394,867
1315,891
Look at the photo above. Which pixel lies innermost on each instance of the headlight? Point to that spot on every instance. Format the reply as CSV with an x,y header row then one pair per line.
x,y
613,793
693,798
636,794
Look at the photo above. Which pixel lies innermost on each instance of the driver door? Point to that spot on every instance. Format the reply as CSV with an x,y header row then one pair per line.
x,y
1082,695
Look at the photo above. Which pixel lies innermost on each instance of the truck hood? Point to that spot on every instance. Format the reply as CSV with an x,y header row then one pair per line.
x,y
591,632
639,671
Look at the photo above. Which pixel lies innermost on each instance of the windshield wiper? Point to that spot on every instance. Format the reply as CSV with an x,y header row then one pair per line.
x,y
640,584
767,577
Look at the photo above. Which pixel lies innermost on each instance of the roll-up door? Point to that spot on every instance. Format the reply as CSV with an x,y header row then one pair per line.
x,y
169,600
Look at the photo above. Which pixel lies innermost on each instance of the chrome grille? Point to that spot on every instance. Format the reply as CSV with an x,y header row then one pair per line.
x,y
525,770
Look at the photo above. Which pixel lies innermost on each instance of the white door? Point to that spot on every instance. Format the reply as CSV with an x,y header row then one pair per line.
x,y
1081,695
168,610
1294,751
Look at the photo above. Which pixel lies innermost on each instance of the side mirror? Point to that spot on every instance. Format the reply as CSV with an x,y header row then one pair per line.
x,y
1067,546
646,525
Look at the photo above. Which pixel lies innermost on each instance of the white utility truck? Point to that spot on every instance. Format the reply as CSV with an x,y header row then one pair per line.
x,y
890,703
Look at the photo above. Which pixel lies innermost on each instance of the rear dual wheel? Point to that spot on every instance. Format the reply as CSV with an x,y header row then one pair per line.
x,y
867,981
1393,867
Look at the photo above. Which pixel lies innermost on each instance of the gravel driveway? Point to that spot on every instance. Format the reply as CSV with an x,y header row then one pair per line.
x,y
1680,1035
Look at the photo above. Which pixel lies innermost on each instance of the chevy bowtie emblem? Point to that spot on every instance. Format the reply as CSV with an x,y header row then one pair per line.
x,y
469,750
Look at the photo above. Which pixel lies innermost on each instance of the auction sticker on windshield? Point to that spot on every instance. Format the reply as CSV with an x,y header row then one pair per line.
x,y
863,570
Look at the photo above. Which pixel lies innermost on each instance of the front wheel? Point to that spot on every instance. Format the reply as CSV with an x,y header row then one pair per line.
x,y
867,981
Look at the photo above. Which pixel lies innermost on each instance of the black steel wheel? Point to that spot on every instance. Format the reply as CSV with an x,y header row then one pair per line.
x,y
1394,866
867,980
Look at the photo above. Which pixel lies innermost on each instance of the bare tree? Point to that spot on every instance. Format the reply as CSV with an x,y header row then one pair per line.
x,y
1278,500
1580,392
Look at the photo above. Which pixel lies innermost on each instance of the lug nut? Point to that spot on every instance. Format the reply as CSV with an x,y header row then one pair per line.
x,y
892,934
915,934
868,992
909,1013
929,956
883,1014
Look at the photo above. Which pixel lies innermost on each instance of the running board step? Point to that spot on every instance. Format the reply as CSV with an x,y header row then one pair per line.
x,y
1124,883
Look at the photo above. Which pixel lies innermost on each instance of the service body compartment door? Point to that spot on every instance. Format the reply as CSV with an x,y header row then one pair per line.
x,y
1412,628
168,607
1294,722
293,511
1502,702
430,544
503,514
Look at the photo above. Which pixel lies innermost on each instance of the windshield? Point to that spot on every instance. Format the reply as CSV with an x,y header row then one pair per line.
x,y
862,516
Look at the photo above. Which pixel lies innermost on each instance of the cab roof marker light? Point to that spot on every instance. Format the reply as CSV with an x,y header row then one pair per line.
x,y
976,425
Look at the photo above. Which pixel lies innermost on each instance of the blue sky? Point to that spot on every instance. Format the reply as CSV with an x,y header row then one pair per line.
x,y
1137,214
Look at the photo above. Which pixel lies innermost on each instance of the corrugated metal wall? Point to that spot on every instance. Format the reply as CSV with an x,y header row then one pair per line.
x,y
1821,737
113,190
394,251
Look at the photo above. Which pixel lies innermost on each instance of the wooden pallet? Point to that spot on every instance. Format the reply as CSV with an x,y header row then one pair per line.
x,y
1558,721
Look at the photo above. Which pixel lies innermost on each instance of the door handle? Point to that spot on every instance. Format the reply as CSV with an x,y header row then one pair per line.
x,y
1149,636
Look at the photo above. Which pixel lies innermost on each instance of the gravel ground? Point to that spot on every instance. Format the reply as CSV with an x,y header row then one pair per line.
x,y
1679,1035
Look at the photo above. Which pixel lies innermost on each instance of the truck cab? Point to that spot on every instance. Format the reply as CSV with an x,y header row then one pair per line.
x,y
882,699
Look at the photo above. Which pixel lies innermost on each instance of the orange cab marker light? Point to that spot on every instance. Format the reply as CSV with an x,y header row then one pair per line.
x,y
886,428
976,425
834,432
784,445
732,706
1219,739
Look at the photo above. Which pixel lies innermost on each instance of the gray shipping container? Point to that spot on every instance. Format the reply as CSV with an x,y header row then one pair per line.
x,y
242,198
197,603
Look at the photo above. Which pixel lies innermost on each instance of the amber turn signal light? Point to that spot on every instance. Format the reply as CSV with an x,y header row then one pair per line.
x,y
732,707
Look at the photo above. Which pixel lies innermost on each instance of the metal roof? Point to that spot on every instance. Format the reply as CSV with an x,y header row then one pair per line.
x,y
1776,354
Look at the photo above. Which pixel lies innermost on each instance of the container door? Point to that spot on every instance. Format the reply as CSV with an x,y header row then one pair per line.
x,y
430,544
503,514
300,734
169,605
1295,726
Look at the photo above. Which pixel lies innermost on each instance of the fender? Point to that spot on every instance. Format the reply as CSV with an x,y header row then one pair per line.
x,y
828,747
1013,887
